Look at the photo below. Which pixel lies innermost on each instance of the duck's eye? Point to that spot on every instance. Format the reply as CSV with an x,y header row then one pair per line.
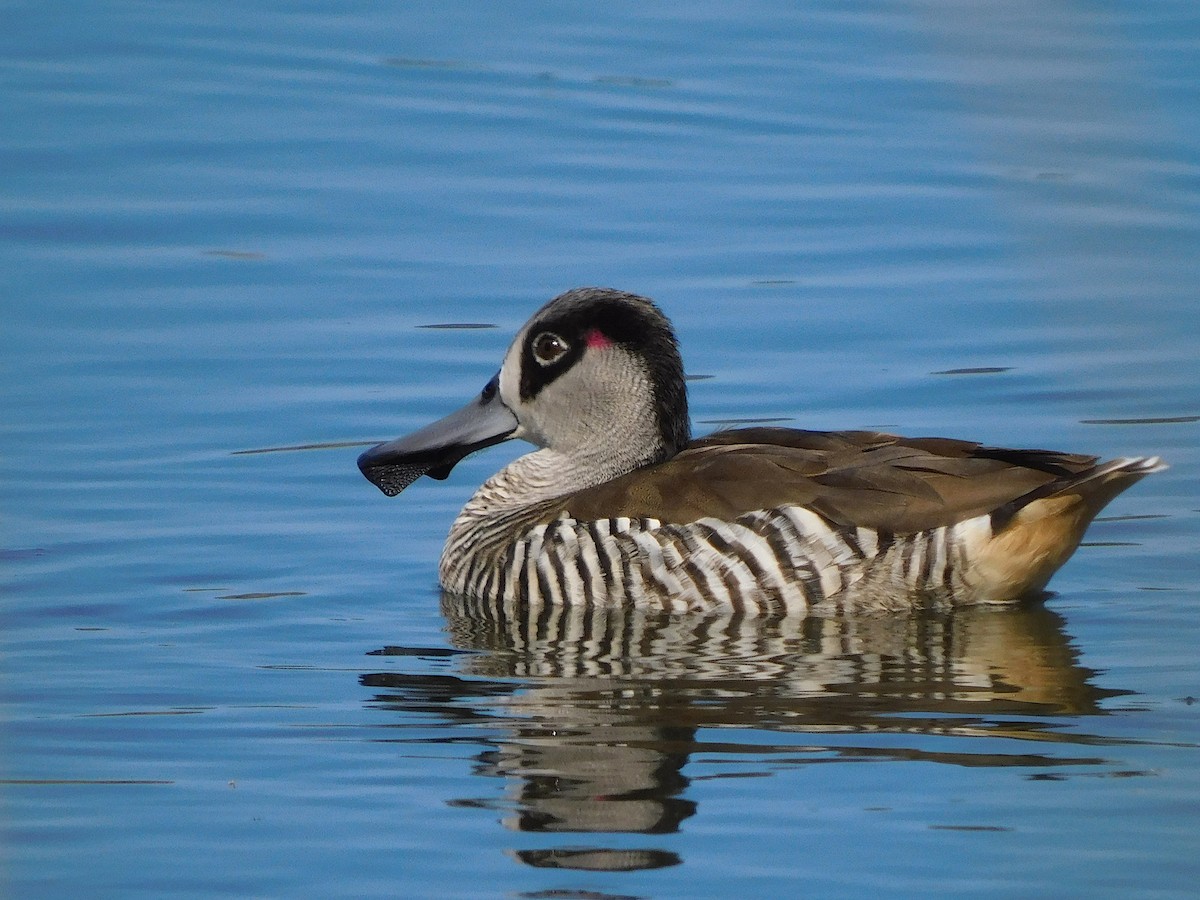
x,y
549,348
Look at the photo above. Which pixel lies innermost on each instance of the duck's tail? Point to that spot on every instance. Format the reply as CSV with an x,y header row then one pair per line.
x,y
1033,535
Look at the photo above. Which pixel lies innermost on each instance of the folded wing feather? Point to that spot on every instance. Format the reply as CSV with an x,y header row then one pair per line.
x,y
857,478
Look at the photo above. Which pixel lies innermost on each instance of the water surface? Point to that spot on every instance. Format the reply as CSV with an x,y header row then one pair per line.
x,y
233,673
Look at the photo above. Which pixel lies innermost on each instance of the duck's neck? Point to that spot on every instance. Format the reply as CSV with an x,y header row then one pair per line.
x,y
537,478
518,496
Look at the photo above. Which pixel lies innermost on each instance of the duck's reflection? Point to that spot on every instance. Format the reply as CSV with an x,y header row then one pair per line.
x,y
593,713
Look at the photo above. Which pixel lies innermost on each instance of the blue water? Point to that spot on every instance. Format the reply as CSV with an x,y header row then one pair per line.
x,y
223,230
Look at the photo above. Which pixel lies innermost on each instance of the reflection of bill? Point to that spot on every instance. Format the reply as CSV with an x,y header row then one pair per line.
x,y
596,711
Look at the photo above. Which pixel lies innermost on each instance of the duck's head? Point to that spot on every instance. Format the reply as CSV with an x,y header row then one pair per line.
x,y
595,375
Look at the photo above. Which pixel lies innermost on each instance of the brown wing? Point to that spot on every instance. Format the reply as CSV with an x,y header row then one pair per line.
x,y
854,478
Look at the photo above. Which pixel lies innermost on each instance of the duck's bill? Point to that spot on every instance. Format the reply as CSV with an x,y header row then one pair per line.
x,y
439,447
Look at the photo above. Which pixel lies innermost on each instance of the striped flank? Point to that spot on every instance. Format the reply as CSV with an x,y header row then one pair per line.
x,y
784,560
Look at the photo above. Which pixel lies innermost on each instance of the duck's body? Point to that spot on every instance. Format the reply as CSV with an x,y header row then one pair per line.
x,y
620,507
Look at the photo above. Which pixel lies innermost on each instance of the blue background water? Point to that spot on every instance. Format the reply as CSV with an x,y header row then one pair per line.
x,y
223,230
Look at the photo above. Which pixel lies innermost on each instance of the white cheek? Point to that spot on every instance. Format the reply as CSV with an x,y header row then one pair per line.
x,y
510,389
510,375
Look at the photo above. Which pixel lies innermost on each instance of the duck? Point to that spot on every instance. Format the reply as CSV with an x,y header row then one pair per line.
x,y
619,506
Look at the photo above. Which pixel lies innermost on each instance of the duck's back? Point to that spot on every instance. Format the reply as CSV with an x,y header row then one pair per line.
x,y
852,478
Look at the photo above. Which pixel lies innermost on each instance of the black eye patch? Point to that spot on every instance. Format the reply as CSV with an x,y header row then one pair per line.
x,y
546,355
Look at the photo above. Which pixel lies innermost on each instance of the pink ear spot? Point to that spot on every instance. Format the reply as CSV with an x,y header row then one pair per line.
x,y
597,339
